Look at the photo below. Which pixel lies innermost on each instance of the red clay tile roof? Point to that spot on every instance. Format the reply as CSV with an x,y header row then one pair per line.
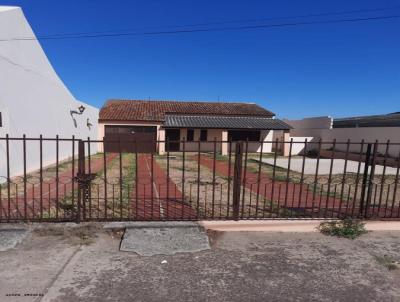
x,y
140,110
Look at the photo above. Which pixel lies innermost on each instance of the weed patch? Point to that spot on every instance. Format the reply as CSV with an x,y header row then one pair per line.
x,y
347,228
387,262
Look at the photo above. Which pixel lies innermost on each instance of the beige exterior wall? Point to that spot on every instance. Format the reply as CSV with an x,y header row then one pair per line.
x,y
219,135
212,134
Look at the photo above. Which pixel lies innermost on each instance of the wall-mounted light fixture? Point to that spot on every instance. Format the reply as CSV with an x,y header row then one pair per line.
x,y
80,110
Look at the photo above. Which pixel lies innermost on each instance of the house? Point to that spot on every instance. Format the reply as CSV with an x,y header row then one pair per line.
x,y
33,99
213,124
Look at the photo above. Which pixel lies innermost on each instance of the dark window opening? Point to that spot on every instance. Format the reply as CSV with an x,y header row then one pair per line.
x,y
1,120
203,135
110,129
190,135
243,135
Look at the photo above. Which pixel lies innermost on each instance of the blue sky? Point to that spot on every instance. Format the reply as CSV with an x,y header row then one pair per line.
x,y
311,70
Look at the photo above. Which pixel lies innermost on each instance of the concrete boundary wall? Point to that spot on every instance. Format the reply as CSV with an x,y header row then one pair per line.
x,y
316,131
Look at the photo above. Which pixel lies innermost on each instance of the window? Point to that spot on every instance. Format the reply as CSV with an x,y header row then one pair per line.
x,y
111,129
243,135
1,120
190,135
203,135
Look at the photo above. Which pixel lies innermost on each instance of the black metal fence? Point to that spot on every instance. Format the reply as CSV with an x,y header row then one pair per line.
x,y
58,179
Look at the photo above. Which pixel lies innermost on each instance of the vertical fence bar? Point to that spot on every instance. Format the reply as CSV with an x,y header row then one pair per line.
x,y
73,172
120,178
288,173
8,178
343,180
316,173
57,177
273,182
357,178
90,173
383,178
167,201
81,172
364,185
136,182
105,179
25,178
259,177
396,180
371,180
152,183
237,179
183,177
245,177
229,179
330,178
302,179
41,177
198,179
213,178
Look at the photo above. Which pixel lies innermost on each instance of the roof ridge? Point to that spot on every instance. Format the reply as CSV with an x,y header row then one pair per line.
x,y
178,101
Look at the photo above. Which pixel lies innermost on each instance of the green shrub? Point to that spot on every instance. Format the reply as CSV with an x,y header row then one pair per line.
x,y
346,228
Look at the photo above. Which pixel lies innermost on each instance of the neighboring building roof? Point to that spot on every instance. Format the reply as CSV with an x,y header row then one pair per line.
x,y
224,122
382,120
141,110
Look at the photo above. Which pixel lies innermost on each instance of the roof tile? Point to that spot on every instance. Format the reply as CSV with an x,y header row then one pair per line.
x,y
141,110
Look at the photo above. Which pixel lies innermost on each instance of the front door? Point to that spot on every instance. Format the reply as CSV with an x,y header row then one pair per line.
x,y
173,137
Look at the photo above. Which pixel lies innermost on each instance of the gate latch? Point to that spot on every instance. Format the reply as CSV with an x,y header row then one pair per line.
x,y
85,179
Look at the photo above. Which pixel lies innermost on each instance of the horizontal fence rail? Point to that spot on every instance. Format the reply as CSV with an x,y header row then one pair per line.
x,y
69,179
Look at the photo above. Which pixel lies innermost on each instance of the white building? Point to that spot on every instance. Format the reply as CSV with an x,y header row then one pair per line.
x,y
33,99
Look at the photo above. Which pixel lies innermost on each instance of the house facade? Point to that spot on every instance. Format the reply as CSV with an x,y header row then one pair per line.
x,y
160,126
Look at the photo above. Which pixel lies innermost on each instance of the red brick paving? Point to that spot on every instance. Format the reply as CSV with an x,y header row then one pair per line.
x,y
158,200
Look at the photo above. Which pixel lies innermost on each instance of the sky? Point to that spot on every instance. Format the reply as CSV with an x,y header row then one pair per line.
x,y
340,69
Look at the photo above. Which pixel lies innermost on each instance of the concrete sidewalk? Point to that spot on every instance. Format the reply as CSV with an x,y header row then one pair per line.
x,y
83,263
287,226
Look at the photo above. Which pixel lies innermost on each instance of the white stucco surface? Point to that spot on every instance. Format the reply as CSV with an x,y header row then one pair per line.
x,y
324,166
33,99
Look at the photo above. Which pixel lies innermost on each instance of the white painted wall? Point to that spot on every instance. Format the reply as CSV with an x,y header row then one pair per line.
x,y
315,129
33,99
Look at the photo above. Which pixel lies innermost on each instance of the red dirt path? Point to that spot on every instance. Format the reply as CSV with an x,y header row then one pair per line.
x,y
16,206
285,195
160,199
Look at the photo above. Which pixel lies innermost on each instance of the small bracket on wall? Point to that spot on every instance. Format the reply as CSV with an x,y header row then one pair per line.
x,y
89,124
80,110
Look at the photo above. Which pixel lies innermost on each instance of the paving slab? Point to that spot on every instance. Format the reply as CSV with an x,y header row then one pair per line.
x,y
10,238
296,164
165,238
